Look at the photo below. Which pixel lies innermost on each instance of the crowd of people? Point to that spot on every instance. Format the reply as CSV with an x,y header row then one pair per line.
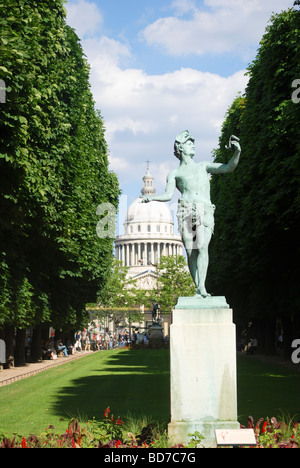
x,y
92,341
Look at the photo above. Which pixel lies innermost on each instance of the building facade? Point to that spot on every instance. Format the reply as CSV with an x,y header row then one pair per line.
x,y
148,235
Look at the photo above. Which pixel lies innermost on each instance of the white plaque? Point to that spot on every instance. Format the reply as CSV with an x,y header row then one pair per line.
x,y
235,437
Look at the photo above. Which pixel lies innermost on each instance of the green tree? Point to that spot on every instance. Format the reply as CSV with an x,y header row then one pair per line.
x,y
4,291
258,209
225,274
53,171
174,281
116,292
120,299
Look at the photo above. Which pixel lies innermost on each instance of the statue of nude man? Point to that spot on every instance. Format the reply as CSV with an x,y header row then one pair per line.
x,y
195,210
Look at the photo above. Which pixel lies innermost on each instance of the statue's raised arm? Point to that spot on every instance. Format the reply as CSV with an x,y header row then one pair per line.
x,y
215,168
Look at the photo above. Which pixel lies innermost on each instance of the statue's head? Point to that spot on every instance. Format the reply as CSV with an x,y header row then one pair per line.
x,y
181,139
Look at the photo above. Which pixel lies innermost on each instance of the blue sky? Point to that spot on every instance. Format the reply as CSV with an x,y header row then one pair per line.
x,y
159,67
125,21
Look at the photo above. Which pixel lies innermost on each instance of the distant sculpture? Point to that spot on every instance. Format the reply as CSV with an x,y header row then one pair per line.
x,y
155,310
195,210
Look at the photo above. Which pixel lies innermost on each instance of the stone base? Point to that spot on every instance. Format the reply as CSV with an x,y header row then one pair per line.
x,y
156,338
203,369
199,302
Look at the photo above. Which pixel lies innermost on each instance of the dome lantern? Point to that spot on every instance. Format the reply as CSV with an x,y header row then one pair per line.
x,y
148,186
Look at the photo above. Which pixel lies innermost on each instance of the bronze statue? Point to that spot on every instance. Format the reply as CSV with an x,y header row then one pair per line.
x,y
195,210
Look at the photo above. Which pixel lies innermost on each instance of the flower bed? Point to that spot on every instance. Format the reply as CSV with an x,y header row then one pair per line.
x,y
111,432
271,433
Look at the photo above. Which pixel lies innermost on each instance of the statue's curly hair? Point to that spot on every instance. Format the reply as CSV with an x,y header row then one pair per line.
x,y
177,150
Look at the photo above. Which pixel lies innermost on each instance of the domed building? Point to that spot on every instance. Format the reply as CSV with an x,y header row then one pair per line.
x,y
148,235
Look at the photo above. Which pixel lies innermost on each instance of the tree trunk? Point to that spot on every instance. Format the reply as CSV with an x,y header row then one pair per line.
x,y
288,336
20,348
9,342
270,337
36,350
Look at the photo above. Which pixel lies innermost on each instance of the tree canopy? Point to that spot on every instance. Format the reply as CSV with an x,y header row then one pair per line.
x,y
255,250
53,171
174,281
122,297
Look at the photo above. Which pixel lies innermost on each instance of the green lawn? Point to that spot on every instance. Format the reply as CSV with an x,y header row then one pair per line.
x,y
266,391
135,382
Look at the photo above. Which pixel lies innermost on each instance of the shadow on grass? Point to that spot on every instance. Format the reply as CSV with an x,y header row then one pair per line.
x,y
134,382
137,382
266,390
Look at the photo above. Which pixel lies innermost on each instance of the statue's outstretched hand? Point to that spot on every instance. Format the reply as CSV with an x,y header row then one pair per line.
x,y
234,143
146,199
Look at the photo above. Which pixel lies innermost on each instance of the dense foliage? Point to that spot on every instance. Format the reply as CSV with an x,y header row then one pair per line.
x,y
255,251
53,171
174,281
121,292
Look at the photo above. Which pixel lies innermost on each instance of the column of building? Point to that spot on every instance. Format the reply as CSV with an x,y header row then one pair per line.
x,y
136,253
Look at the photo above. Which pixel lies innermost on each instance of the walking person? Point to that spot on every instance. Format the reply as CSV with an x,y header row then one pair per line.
x,y
78,341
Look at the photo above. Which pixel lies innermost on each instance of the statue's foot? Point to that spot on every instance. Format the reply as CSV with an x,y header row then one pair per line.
x,y
202,292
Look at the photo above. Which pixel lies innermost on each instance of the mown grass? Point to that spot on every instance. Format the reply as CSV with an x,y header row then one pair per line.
x,y
134,383
266,390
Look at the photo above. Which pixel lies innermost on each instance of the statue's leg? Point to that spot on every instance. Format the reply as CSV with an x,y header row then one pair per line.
x,y
202,262
203,259
192,263
188,236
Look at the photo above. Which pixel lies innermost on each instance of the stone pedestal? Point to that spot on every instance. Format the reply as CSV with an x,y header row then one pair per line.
x,y
203,369
156,339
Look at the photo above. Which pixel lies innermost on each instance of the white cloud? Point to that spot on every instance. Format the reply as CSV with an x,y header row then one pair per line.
x,y
85,17
117,164
143,113
217,27
105,56
183,6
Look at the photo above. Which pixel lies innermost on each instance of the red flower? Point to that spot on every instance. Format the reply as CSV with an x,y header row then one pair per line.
x,y
119,422
264,429
118,443
24,443
295,430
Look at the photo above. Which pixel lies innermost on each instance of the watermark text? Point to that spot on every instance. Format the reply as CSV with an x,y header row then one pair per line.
x,y
106,227
2,92
296,93
296,353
